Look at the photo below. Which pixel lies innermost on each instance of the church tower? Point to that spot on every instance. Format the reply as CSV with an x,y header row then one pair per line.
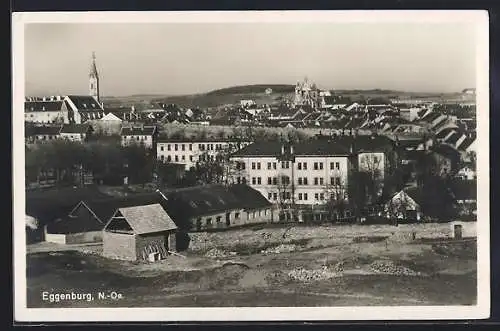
x,y
94,80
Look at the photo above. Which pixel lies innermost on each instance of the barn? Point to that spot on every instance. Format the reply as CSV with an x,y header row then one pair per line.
x,y
144,233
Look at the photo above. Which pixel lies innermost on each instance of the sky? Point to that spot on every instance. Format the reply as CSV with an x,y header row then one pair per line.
x,y
188,58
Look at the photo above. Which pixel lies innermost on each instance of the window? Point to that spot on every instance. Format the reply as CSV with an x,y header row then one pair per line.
x,y
218,219
200,147
305,180
169,158
275,181
258,165
332,180
315,165
259,180
137,138
209,221
304,165
237,215
337,165
375,159
176,147
269,196
332,165
322,196
299,166
337,181
238,180
300,194
253,165
305,196
254,181
162,158
190,147
177,158
242,165
316,196
321,166
300,180
244,180
269,180
269,165
315,180
287,195
321,182
274,165
161,148
183,147
183,158
275,196
191,158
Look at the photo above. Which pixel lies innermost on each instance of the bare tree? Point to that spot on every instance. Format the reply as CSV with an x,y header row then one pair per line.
x,y
373,167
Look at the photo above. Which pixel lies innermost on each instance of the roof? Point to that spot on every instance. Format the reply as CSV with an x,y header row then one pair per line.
x,y
105,208
464,189
70,224
138,131
75,128
466,143
43,130
111,117
446,151
453,138
444,132
48,204
183,204
85,102
30,106
148,218
417,194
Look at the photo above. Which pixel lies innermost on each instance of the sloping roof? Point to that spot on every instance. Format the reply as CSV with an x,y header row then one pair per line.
x,y
85,102
446,151
111,117
453,138
466,143
264,148
30,106
48,204
44,130
186,203
105,208
464,189
443,133
75,128
138,131
431,117
148,219
70,224
417,194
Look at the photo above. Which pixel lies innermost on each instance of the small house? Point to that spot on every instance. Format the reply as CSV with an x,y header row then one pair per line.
x,y
144,233
405,205
76,132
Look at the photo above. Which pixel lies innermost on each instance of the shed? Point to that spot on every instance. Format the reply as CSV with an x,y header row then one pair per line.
x,y
139,233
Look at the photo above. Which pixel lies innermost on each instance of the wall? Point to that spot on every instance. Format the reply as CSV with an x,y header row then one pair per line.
x,y
469,229
55,238
271,191
84,237
119,246
143,139
261,215
46,116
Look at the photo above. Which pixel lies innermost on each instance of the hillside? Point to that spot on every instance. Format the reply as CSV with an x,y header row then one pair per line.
x,y
253,89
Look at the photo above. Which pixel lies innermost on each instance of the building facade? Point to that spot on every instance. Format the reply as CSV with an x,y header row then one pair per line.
x,y
188,152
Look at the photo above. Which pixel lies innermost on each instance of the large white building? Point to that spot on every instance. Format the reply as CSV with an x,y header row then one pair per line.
x,y
311,172
188,152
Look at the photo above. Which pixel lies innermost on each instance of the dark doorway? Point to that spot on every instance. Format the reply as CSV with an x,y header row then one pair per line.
x,y
228,219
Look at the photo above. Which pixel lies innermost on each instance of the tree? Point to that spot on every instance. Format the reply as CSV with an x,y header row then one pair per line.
x,y
336,197
139,162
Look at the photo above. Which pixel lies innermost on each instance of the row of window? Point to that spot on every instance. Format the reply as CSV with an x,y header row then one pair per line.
x,y
302,196
50,137
136,137
182,158
285,180
201,147
286,165
218,219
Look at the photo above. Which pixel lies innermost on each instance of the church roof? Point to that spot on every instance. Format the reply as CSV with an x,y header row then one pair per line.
x,y
93,68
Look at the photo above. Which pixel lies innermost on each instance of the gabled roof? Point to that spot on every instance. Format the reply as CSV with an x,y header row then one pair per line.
x,y
138,131
75,128
49,204
31,106
147,219
85,102
111,117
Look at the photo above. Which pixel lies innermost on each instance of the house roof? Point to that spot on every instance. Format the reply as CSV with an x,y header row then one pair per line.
x,y
417,194
68,224
44,130
186,203
111,117
138,131
75,128
444,132
446,151
453,138
104,208
48,204
31,106
464,189
430,117
85,102
466,143
147,219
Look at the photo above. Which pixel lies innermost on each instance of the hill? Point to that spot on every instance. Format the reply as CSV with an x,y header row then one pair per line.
x,y
253,89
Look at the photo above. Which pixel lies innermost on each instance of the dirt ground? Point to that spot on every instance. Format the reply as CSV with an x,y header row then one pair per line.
x,y
298,266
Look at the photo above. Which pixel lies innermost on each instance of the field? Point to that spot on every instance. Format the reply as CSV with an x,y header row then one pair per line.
x,y
271,266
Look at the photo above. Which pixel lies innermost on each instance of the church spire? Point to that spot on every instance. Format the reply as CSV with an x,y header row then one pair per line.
x,y
94,80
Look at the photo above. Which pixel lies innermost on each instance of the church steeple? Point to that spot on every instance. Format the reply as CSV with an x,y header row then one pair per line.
x,y
94,79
